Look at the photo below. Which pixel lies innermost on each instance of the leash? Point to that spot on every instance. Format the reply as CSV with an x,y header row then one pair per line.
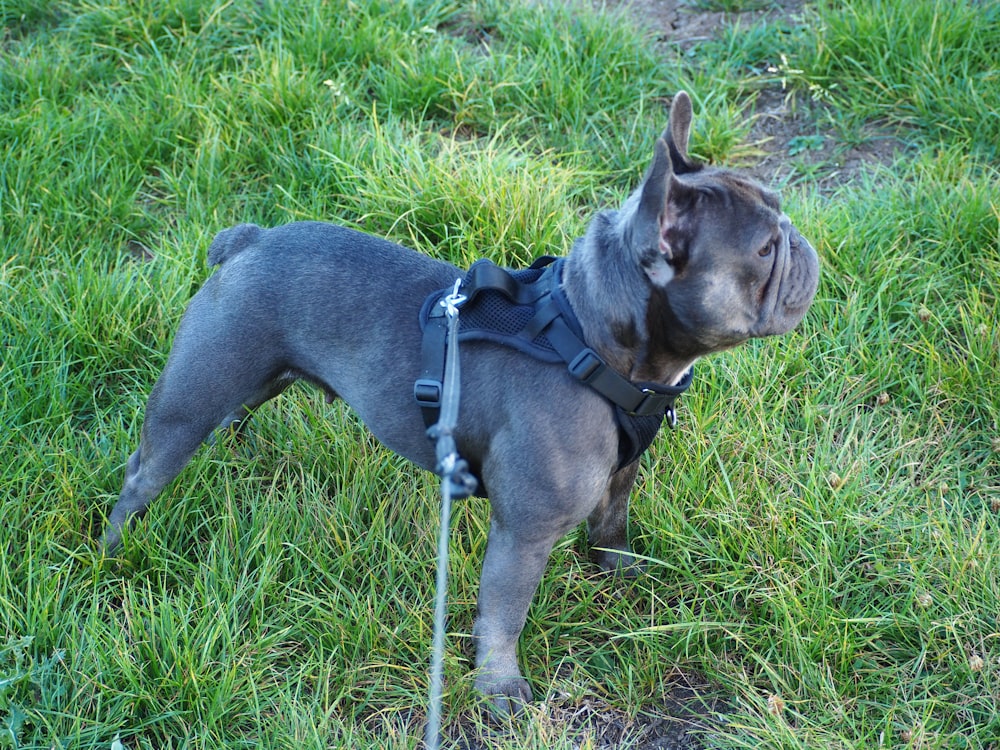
x,y
640,408
456,483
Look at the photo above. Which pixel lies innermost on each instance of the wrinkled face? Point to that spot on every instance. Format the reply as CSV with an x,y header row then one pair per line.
x,y
723,261
740,269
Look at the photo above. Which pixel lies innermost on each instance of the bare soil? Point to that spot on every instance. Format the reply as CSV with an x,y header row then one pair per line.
x,y
794,136
689,708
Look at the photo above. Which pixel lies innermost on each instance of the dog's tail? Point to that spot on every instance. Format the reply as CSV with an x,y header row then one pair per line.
x,y
230,242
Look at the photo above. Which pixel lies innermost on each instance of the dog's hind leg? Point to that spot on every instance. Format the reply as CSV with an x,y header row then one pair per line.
x,y
172,432
207,383
166,447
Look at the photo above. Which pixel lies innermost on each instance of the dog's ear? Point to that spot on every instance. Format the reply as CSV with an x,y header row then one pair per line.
x,y
648,223
658,226
655,188
678,133
670,158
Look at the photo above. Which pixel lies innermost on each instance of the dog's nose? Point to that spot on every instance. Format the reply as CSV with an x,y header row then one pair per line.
x,y
794,239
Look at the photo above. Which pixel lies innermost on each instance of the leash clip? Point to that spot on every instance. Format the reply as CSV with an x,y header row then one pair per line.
x,y
453,301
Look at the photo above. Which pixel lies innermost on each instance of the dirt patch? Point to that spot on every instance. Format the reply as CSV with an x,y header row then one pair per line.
x,y
687,23
793,134
795,144
689,709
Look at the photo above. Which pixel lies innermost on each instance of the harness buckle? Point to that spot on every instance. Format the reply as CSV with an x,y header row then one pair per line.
x,y
427,392
651,403
585,365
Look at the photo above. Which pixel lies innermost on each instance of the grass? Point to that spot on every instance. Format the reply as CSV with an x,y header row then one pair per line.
x,y
823,527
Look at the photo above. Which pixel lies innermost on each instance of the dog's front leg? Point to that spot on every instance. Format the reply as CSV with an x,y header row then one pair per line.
x,y
607,525
512,569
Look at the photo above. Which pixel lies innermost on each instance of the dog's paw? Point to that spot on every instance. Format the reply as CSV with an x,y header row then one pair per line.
x,y
620,562
506,697
110,542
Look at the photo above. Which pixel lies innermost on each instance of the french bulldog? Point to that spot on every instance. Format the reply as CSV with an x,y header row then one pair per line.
x,y
697,260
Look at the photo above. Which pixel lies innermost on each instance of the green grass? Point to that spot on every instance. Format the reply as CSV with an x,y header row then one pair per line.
x,y
823,527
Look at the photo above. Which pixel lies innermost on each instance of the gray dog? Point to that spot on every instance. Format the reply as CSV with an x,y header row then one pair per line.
x,y
697,260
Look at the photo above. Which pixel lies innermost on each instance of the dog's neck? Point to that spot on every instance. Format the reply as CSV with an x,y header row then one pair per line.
x,y
600,279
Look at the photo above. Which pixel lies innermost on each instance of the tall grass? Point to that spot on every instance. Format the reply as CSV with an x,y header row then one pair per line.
x,y
822,529
930,65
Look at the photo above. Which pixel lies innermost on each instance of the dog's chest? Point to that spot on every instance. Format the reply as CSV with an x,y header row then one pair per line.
x,y
525,310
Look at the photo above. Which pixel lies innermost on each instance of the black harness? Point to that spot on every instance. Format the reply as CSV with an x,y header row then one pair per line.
x,y
528,310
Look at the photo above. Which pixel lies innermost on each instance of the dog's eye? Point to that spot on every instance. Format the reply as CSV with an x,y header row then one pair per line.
x,y
766,250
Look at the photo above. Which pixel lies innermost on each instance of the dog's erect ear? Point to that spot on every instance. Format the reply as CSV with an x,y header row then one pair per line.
x,y
670,157
658,224
678,133
649,221
653,198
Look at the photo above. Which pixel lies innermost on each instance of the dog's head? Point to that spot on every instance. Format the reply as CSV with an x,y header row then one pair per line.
x,y
723,261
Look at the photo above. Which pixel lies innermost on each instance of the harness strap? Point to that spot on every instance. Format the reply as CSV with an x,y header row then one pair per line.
x,y
635,399
427,389
639,407
482,276
485,275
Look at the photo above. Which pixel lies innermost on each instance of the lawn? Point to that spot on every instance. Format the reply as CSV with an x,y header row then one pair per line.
x,y
822,529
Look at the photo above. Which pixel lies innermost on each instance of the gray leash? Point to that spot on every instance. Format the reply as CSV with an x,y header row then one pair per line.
x,y
456,482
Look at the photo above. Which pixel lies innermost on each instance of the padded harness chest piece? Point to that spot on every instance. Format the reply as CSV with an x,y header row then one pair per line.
x,y
528,311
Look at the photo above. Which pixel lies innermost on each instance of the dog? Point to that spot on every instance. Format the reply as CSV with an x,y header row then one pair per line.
x,y
697,260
